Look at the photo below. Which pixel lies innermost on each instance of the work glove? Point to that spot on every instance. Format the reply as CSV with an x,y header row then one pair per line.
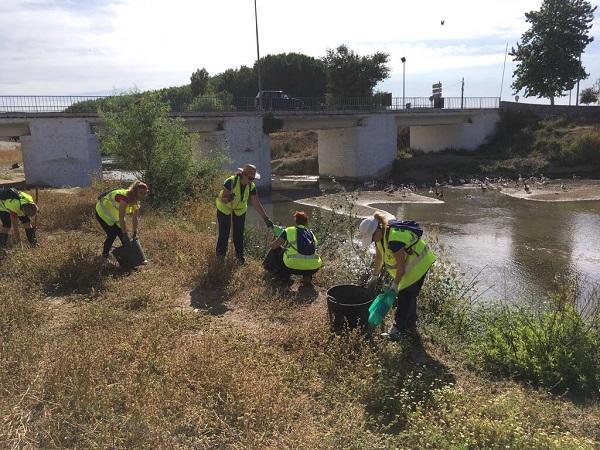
x,y
268,222
135,236
394,287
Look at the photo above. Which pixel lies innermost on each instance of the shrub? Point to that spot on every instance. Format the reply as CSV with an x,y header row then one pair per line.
x,y
557,349
139,132
585,149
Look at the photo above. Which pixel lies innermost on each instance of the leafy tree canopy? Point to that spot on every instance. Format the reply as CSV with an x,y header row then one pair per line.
x,y
199,82
588,95
548,55
296,74
352,75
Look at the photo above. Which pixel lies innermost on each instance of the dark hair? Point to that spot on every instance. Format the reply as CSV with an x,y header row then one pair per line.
x,y
301,218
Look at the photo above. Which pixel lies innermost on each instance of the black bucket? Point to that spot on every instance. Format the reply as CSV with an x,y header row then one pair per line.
x,y
130,255
348,307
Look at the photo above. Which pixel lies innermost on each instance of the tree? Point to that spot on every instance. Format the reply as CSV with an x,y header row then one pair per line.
x,y
352,75
548,56
588,95
294,73
199,82
240,82
138,131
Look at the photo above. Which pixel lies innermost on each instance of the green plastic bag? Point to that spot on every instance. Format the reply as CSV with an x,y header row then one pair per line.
x,y
277,230
380,306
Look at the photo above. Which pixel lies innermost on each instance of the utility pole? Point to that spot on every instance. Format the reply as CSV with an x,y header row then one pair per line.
x,y
258,59
462,93
403,59
577,98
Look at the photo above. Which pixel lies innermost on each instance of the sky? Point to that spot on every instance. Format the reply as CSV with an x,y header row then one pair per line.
x,y
99,47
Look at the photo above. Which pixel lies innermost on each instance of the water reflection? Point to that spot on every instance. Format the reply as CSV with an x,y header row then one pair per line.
x,y
516,246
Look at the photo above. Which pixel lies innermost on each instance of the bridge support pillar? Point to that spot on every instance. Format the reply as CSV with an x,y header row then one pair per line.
x,y
60,152
364,151
468,135
242,140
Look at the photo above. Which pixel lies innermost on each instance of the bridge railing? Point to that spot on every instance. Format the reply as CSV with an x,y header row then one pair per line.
x,y
221,103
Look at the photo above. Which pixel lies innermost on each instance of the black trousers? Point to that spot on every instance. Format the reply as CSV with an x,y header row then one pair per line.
x,y
225,222
111,234
406,306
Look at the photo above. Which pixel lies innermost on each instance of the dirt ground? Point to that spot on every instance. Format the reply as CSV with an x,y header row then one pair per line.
x,y
10,153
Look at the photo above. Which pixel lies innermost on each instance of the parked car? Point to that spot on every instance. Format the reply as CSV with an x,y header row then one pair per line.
x,y
277,100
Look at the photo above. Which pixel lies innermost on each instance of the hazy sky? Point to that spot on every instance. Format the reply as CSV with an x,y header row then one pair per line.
x,y
100,46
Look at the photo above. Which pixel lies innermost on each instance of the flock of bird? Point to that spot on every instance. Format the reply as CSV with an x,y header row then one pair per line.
x,y
437,188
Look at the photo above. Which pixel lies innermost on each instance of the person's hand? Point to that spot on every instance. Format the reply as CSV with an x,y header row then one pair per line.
x,y
268,222
372,281
394,287
135,235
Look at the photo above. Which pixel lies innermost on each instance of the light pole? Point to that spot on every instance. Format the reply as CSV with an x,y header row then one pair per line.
x,y
403,59
258,59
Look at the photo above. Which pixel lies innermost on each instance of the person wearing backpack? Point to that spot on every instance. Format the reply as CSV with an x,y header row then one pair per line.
x,y
296,251
16,205
111,209
407,259
232,204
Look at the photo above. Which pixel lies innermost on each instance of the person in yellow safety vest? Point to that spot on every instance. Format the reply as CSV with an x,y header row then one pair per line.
x,y
407,259
299,255
112,207
232,204
16,206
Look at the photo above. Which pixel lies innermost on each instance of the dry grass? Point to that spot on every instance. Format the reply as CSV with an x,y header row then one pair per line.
x,y
10,152
100,358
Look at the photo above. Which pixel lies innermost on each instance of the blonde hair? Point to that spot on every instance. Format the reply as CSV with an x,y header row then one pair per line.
x,y
133,189
381,219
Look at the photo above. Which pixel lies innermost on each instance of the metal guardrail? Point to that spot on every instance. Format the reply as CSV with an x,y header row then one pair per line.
x,y
89,104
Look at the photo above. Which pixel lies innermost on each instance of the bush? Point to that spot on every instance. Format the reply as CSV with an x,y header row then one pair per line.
x,y
584,149
139,132
556,349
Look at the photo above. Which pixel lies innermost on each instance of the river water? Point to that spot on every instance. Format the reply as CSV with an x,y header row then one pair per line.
x,y
513,247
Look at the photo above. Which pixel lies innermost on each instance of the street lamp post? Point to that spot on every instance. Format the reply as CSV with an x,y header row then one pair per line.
x,y
258,59
403,59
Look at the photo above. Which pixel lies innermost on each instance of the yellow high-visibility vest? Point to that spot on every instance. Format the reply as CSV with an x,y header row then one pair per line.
x,y
238,205
292,258
14,205
420,257
107,207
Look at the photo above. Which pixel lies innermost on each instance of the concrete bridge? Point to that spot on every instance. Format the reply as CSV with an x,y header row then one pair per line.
x,y
61,148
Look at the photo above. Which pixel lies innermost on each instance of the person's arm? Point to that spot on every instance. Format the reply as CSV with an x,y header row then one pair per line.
x,y
400,257
258,206
227,195
378,264
122,213
277,243
134,222
14,220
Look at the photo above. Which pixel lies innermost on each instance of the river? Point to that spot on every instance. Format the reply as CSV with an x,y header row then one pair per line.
x,y
513,247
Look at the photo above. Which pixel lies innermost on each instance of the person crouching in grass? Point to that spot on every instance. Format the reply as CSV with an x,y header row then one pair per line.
x,y
111,209
295,249
15,207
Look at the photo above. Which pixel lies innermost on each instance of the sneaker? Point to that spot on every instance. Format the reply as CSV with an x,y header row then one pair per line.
x,y
393,334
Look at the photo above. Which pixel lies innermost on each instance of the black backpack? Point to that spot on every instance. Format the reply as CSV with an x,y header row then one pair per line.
x,y
9,194
407,225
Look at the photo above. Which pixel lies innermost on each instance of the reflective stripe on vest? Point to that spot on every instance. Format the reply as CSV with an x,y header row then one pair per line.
x,y
419,255
296,260
238,205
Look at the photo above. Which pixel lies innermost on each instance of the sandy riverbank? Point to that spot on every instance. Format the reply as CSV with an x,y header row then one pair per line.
x,y
557,191
363,200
